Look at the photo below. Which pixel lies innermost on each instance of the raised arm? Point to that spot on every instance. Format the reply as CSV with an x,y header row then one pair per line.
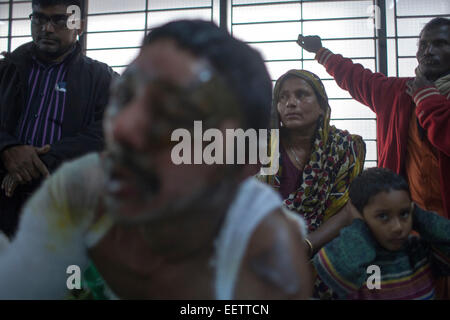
x,y
433,111
374,90
435,230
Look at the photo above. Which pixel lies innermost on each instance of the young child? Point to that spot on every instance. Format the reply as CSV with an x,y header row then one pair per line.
x,y
380,235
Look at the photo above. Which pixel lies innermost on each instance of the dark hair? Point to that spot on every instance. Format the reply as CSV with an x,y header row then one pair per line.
x,y
241,67
436,22
373,181
48,3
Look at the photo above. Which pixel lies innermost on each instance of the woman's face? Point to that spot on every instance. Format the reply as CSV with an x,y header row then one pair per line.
x,y
297,105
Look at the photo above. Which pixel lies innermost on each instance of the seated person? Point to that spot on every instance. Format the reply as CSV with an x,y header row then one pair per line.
x,y
380,236
152,228
317,161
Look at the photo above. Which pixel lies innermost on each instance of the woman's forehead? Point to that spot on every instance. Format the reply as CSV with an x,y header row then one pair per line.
x,y
294,82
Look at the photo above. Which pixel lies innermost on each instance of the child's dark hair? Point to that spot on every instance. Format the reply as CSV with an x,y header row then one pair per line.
x,y
373,181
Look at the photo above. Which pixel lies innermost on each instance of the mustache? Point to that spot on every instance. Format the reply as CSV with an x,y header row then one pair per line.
x,y
47,37
138,165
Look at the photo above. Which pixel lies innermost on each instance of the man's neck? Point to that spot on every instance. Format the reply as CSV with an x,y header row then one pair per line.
x,y
51,60
180,241
190,233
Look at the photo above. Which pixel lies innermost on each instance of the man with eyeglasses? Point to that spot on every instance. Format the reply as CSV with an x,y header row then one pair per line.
x,y
52,99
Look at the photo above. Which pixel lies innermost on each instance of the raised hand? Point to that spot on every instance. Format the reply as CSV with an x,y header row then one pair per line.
x,y
352,212
309,43
419,82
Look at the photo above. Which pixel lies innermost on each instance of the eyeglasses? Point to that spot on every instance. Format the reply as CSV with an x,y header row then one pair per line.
x,y
58,20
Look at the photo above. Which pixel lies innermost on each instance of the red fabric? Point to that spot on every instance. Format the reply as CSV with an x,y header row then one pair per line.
x,y
422,170
387,97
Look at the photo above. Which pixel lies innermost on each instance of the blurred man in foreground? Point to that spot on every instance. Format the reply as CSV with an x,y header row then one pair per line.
x,y
154,229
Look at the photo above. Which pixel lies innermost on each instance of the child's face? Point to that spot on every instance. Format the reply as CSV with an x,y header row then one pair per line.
x,y
389,217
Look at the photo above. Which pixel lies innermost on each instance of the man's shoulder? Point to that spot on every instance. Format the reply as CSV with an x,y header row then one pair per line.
x,y
255,196
23,50
97,67
94,63
285,270
253,183
18,56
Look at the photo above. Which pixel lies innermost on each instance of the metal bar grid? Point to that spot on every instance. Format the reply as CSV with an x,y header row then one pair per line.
x,y
135,28
146,10
10,24
423,16
301,60
302,20
146,17
396,37
223,14
277,2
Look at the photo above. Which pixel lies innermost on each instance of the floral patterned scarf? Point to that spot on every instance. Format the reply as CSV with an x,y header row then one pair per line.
x,y
337,157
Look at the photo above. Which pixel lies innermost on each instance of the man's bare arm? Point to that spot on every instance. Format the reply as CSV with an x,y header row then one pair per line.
x,y
276,265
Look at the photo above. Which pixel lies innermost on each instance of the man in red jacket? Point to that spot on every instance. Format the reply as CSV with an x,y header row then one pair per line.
x,y
413,114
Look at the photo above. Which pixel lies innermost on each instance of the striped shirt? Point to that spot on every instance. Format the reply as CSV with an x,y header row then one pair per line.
x,y
41,123
344,263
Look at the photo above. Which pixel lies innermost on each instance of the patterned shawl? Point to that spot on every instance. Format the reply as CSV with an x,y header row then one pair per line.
x,y
337,157
443,85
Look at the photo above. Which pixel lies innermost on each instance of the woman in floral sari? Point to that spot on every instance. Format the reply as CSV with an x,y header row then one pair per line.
x,y
317,161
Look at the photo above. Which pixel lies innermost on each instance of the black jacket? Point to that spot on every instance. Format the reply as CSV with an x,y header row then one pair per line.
x,y
87,88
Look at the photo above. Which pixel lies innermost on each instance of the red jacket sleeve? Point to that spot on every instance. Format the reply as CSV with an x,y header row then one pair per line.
x,y
433,112
375,90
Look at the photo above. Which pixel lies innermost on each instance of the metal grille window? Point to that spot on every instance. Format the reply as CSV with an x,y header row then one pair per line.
x,y
116,27
344,26
14,24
